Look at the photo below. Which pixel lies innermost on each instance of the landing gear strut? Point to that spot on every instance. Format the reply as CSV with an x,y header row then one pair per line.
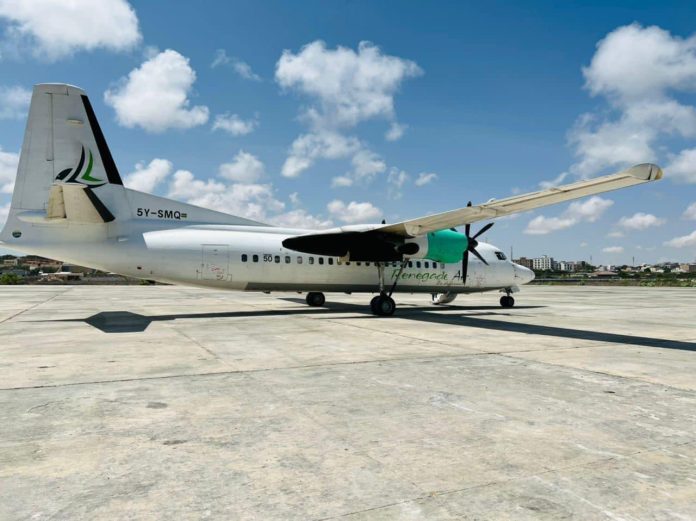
x,y
507,301
315,299
383,304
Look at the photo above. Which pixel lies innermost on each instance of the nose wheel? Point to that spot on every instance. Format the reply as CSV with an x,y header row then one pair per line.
x,y
507,301
315,299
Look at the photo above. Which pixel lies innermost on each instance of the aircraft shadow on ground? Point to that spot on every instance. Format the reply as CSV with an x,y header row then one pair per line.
x,y
128,322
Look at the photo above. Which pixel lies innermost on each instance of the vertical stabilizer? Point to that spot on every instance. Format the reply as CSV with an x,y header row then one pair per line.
x,y
63,143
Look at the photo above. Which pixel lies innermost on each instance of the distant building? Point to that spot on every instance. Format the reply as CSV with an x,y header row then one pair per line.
x,y
37,262
688,268
567,266
544,263
524,261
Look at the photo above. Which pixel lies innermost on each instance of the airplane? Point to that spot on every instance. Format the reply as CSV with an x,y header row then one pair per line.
x,y
69,202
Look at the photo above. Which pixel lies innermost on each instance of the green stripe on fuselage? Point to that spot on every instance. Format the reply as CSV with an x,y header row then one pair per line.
x,y
446,246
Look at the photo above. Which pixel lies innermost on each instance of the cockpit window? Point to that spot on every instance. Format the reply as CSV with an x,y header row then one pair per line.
x,y
500,255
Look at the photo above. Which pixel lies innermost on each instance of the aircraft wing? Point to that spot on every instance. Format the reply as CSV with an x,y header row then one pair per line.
x,y
521,203
384,242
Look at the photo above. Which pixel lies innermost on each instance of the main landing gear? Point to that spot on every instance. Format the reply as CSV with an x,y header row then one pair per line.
x,y
507,301
383,305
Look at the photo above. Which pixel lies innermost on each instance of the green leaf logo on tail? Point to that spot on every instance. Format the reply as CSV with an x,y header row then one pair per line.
x,y
80,176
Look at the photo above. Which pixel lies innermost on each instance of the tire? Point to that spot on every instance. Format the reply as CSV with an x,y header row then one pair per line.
x,y
385,306
507,301
373,305
315,299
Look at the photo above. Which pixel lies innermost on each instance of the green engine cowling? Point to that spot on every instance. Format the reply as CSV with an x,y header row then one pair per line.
x,y
440,246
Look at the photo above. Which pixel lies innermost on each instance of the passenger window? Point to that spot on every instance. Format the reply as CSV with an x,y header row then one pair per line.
x,y
347,263
410,264
442,265
367,264
418,264
244,257
331,260
255,258
427,264
321,260
357,263
299,260
311,260
277,259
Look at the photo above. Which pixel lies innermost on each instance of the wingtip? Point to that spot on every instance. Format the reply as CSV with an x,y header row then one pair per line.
x,y
646,172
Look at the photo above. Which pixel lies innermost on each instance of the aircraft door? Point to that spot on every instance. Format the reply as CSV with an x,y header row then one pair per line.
x,y
215,262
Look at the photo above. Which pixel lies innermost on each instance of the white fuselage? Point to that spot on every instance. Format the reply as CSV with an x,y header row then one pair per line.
x,y
252,258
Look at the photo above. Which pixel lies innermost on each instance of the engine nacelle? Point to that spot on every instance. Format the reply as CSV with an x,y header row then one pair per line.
x,y
440,246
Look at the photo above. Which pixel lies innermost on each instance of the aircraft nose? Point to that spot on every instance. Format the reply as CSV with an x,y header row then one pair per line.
x,y
524,274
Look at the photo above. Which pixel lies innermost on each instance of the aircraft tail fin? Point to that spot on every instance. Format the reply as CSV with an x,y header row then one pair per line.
x,y
63,144
67,176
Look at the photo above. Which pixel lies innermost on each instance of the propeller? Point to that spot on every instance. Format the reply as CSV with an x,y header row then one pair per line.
x,y
471,244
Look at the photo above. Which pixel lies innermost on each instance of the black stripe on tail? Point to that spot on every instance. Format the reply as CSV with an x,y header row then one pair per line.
x,y
108,161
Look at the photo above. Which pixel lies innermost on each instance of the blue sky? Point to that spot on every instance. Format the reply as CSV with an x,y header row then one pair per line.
x,y
277,111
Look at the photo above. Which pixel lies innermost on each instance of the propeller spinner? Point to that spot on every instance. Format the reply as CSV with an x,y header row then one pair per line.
x,y
471,244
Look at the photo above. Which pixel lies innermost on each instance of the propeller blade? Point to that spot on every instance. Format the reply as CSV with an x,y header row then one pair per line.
x,y
483,230
467,228
479,256
465,265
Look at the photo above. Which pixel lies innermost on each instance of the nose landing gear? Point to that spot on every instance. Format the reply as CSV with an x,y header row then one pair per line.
x,y
507,301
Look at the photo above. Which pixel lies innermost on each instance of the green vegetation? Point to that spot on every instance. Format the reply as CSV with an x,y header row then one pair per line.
x,y
10,278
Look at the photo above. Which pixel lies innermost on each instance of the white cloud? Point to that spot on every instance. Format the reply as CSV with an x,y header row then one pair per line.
x,y
395,132
638,70
367,164
341,181
425,178
234,124
8,171
299,218
348,86
56,29
14,102
155,96
683,241
640,221
634,62
585,211
307,148
244,168
682,166
251,201
345,88
396,179
613,249
4,212
294,199
147,178
615,235
353,212
690,212
242,68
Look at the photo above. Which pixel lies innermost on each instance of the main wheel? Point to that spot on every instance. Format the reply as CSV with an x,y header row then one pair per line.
x,y
315,299
383,306
373,305
507,301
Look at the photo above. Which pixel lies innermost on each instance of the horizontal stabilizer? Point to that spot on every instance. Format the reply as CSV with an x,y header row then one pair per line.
x,y
72,203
